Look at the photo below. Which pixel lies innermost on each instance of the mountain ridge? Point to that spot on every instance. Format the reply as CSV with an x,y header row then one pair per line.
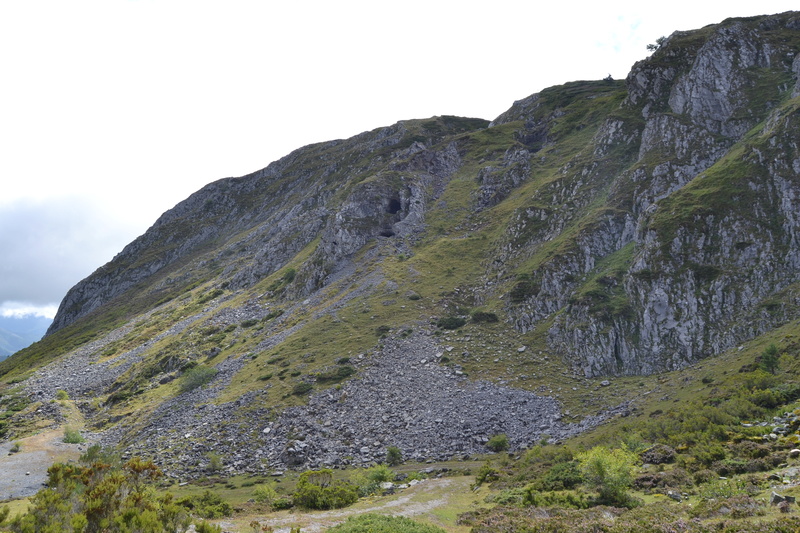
x,y
595,229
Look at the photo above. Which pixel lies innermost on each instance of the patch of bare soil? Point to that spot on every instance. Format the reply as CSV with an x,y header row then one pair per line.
x,y
23,473
419,502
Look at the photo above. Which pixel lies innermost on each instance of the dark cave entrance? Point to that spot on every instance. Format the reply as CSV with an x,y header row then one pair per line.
x,y
394,206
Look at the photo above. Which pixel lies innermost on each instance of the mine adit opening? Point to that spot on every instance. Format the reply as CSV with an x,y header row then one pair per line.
x,y
394,206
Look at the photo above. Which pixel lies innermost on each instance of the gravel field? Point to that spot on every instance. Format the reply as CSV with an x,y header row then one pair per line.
x,y
22,474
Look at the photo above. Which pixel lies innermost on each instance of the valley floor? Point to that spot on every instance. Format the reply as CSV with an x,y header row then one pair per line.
x,y
434,501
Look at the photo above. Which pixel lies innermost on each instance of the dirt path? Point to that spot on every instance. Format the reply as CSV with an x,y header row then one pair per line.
x,y
435,501
22,474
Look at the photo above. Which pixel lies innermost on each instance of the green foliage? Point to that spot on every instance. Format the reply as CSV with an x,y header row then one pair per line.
x,y
316,489
450,322
373,523
62,395
72,436
214,462
205,527
207,297
337,374
563,499
265,494
498,443
380,474
770,359
561,476
484,316
393,456
486,474
652,47
100,496
722,488
610,472
302,388
207,505
368,481
197,377
289,275
522,290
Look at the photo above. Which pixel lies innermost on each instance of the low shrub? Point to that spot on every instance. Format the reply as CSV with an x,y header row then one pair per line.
x,y
498,443
738,506
73,436
486,474
265,494
337,374
380,474
677,478
197,377
302,388
450,322
205,527
561,476
564,500
207,505
658,454
484,316
316,489
393,456
373,523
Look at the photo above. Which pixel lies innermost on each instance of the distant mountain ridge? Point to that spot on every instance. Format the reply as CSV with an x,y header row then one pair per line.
x,y
18,333
597,228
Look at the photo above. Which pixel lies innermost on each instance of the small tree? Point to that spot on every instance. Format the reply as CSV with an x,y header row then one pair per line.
x,y
659,42
770,359
393,456
610,472
265,494
498,443
316,489
214,462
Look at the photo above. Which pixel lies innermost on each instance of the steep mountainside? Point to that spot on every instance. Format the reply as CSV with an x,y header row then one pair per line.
x,y
594,229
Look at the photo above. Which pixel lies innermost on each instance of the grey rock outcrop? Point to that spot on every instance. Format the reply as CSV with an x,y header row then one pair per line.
x,y
703,246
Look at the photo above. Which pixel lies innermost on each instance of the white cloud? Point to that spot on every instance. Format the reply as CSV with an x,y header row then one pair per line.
x,y
50,244
19,310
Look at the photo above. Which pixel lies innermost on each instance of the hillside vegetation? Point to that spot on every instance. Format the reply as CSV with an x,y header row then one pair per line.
x,y
602,279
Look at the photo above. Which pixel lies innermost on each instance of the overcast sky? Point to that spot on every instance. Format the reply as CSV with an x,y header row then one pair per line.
x,y
113,111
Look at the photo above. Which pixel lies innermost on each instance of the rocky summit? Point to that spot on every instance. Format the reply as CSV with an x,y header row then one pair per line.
x,y
434,283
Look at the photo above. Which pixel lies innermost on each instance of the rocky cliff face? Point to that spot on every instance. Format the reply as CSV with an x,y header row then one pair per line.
x,y
346,192
702,232
595,228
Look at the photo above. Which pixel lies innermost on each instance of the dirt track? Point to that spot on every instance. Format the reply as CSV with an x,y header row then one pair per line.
x,y
426,502
22,474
